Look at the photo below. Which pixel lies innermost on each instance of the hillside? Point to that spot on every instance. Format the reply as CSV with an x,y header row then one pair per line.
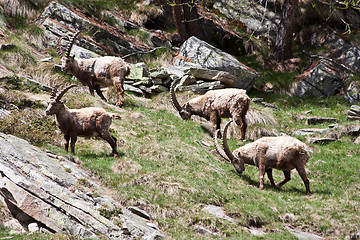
x,y
168,168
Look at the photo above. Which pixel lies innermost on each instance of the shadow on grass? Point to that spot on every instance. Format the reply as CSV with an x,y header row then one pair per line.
x,y
104,154
268,186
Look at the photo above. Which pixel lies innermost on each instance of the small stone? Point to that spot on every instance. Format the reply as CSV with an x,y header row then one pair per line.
x,y
33,227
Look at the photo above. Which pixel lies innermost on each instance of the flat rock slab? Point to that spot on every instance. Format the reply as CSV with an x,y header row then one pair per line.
x,y
47,190
310,131
319,120
321,140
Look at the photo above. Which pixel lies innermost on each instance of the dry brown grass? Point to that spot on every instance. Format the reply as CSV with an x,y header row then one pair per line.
x,y
144,13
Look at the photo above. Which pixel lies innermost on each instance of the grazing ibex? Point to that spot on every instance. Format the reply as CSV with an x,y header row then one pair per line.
x,y
214,105
86,122
96,72
284,153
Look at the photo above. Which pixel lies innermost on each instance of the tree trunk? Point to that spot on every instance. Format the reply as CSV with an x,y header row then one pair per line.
x,y
186,19
283,43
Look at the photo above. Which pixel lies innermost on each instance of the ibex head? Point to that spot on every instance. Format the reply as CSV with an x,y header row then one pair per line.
x,y
55,105
183,111
66,60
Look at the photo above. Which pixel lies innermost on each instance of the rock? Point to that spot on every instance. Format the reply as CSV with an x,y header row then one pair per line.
x,y
202,88
187,80
177,71
354,113
303,235
256,232
256,18
309,131
33,228
352,130
158,88
352,94
159,73
140,212
319,120
323,140
321,79
131,88
138,71
15,226
345,52
49,59
217,212
203,231
199,54
225,78
47,191
56,19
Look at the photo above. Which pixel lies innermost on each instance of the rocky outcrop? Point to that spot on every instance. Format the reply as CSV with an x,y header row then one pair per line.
x,y
323,78
49,193
61,21
261,19
199,54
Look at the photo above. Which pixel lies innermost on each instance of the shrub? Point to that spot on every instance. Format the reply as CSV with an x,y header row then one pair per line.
x,y
29,125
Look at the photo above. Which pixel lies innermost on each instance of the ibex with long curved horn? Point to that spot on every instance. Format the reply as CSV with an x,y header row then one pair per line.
x,y
86,122
214,105
95,72
284,153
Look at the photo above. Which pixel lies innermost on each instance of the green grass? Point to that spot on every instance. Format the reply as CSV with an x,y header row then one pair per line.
x,y
162,168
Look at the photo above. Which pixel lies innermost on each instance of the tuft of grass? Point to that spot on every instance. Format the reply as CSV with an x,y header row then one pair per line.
x,y
29,125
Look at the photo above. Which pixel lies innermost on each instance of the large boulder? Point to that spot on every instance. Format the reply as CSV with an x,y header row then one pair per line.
x,y
199,54
322,79
49,193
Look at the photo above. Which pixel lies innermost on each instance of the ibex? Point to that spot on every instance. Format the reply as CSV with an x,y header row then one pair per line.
x,y
96,72
284,153
214,105
86,122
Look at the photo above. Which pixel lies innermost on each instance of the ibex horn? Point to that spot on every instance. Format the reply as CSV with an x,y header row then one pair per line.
x,y
61,94
173,96
58,47
72,40
225,145
54,90
218,148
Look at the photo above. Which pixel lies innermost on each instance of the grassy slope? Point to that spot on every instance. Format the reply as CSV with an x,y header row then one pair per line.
x,y
163,169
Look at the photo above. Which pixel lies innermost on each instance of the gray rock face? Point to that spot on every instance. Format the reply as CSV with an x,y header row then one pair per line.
x,y
199,54
322,79
352,94
57,19
44,190
263,20
345,52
